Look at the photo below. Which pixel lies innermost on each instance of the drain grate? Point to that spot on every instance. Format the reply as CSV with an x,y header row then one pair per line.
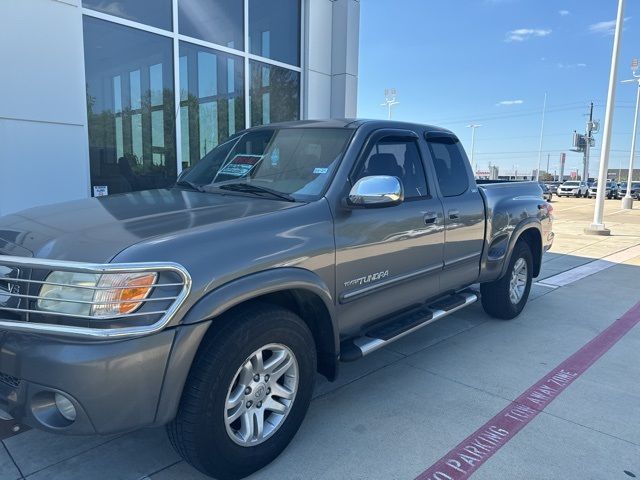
x,y
9,380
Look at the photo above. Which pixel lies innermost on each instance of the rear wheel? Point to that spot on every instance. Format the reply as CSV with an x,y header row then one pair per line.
x,y
506,297
247,392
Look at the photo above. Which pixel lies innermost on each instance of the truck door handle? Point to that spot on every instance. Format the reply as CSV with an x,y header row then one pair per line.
x,y
430,217
454,214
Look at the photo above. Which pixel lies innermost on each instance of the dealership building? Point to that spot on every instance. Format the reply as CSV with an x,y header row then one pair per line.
x,y
100,97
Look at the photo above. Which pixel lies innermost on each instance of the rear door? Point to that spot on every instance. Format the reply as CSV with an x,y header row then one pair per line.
x,y
463,207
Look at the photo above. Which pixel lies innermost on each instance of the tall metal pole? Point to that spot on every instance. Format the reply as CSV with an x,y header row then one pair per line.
x,y
627,201
473,127
597,226
548,159
544,110
587,149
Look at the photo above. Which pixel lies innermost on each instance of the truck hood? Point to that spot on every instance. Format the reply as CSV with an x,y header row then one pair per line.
x,y
97,229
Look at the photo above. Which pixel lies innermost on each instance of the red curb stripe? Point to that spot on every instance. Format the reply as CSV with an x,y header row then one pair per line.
x,y
469,455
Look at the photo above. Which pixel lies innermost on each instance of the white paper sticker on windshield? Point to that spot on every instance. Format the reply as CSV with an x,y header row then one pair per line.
x,y
100,190
241,165
319,170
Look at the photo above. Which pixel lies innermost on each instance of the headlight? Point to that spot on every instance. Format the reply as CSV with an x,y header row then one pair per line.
x,y
95,295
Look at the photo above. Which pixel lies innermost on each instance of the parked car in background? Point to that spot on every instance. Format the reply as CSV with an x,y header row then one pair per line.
x,y
611,190
635,189
553,187
546,192
573,188
211,305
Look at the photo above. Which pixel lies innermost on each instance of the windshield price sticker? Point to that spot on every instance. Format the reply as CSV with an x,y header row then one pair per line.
x,y
241,165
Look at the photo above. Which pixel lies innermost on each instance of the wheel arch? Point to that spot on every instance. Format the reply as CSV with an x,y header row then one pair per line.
x,y
531,233
296,289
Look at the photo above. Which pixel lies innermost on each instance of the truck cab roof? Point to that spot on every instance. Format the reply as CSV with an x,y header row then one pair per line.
x,y
353,123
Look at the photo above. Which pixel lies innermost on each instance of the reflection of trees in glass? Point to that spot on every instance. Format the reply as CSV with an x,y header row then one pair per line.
x,y
225,125
156,160
211,99
277,89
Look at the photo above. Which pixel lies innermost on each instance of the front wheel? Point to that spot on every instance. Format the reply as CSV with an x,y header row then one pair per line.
x,y
506,297
247,392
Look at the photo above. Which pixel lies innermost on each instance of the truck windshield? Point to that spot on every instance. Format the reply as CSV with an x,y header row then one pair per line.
x,y
571,184
292,162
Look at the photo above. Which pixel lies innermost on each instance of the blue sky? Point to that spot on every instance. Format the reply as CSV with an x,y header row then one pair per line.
x,y
490,62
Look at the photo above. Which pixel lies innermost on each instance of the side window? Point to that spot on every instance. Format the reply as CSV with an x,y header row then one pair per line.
x,y
450,163
397,158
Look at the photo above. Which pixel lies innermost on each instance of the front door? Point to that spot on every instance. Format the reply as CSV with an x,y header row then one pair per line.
x,y
389,258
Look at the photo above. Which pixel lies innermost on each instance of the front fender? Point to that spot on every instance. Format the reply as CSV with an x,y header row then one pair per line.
x,y
237,291
201,317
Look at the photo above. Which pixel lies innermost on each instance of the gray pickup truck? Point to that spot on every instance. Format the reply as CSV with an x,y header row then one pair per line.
x,y
210,306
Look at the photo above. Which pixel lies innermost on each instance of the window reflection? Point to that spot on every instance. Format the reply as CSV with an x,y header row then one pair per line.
x,y
275,94
216,21
130,103
274,30
211,100
157,14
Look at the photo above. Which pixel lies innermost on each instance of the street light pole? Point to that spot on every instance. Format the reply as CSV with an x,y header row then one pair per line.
x,y
627,201
390,95
544,110
597,226
473,127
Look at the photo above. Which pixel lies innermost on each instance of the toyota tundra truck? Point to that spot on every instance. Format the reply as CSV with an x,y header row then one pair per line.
x,y
210,306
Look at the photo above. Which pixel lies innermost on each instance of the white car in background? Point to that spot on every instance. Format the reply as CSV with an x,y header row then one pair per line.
x,y
573,188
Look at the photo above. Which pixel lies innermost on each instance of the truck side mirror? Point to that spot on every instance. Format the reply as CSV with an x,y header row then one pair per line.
x,y
376,191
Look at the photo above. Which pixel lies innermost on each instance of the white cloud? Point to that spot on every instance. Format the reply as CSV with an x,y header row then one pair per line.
x,y
564,13
571,65
510,102
522,34
605,28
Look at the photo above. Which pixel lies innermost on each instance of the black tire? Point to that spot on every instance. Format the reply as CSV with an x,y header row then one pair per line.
x,y
495,295
199,432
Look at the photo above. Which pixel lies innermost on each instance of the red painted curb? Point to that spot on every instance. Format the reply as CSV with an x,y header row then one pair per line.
x,y
477,448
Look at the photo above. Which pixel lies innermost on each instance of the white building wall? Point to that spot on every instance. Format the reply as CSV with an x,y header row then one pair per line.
x,y
43,136
333,33
43,131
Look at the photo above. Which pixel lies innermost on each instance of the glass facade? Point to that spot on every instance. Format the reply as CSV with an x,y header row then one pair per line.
x,y
130,104
211,100
274,30
216,21
274,93
156,13
134,138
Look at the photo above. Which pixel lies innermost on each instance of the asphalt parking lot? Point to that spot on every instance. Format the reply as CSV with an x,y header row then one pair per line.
x,y
396,413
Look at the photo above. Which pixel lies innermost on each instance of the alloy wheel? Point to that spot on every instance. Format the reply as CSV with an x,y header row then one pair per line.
x,y
261,395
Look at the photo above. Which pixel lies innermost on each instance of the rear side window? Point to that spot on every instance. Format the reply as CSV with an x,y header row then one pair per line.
x,y
397,158
450,163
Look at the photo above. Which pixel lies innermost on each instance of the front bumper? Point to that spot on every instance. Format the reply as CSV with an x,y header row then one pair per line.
x,y
114,386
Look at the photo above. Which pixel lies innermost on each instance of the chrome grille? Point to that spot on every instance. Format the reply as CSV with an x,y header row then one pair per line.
x,y
19,295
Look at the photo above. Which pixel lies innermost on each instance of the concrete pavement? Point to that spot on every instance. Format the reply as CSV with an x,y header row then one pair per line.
x,y
396,412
